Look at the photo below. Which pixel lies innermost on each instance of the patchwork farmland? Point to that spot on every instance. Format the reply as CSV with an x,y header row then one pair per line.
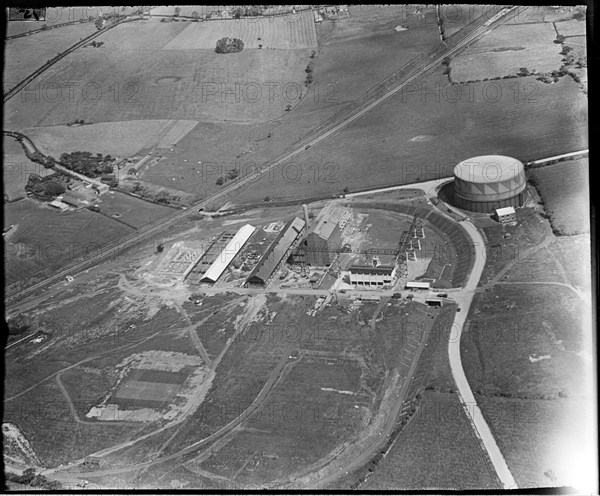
x,y
45,239
120,139
25,55
573,27
462,121
152,81
277,33
506,50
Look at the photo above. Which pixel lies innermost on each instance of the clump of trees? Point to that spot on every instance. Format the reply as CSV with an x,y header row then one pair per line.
x,y
229,45
87,164
231,175
45,188
248,11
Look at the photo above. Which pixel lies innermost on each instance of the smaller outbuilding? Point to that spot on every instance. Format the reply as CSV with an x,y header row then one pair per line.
x,y
506,215
418,285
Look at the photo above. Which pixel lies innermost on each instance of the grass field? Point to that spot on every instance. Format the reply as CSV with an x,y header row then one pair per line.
x,y
270,33
305,418
60,15
366,40
45,239
136,213
122,139
358,52
573,252
564,188
545,443
529,232
457,16
149,81
498,350
25,55
572,27
526,353
505,50
437,450
498,116
17,168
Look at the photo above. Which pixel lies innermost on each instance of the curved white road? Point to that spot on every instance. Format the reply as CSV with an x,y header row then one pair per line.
x,y
464,299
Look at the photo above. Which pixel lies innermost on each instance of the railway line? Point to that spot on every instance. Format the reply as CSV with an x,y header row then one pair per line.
x,y
113,249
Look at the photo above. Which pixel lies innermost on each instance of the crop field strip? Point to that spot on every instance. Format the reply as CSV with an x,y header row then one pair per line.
x,y
274,33
18,55
166,83
508,48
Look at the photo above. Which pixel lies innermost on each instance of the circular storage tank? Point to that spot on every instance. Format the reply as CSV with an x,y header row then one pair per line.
x,y
483,184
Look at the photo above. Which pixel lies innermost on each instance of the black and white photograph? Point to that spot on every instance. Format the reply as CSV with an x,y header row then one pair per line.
x,y
299,248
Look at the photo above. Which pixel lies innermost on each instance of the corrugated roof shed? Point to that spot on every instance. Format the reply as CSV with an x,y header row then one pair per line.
x,y
228,254
327,220
418,284
276,251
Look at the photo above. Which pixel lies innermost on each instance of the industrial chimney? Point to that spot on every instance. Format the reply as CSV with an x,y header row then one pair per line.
x,y
305,208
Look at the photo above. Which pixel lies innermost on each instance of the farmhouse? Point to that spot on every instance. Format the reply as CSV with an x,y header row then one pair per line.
x,y
506,215
228,254
276,254
324,238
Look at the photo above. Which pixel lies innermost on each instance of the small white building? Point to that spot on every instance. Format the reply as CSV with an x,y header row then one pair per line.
x,y
506,214
418,285
58,204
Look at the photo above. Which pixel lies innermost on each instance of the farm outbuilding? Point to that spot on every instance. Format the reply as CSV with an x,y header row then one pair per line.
x,y
489,182
418,285
228,254
277,253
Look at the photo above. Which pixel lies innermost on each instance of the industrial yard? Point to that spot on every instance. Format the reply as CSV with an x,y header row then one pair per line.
x,y
372,285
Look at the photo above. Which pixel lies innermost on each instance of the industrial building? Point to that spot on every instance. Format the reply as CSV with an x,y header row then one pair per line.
x,y
368,275
324,239
228,253
506,214
277,253
489,182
